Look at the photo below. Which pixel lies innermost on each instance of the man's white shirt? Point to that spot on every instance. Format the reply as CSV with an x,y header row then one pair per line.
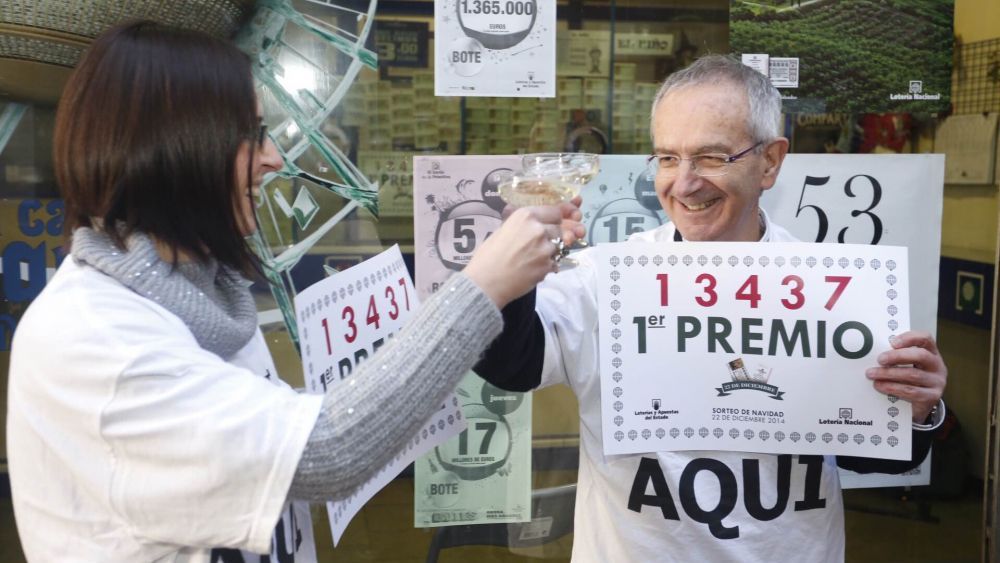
x,y
679,506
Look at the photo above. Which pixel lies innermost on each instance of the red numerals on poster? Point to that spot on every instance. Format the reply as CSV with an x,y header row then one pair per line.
x,y
348,315
749,290
391,296
795,291
326,331
402,283
372,316
708,286
663,289
841,282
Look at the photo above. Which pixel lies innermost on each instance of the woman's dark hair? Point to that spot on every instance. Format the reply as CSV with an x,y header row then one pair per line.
x,y
146,139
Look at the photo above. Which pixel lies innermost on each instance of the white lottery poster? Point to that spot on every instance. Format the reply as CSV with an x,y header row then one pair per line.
x,y
342,321
767,346
818,197
483,475
503,48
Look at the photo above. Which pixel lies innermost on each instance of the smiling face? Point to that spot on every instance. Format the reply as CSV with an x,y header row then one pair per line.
x,y
253,161
713,118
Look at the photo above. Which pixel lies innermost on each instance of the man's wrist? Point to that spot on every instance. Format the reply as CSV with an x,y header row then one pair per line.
x,y
934,419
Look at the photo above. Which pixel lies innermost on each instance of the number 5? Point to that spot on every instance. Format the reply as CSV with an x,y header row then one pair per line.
x,y
468,234
820,215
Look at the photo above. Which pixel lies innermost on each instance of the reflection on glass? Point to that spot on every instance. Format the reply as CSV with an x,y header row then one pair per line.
x,y
305,65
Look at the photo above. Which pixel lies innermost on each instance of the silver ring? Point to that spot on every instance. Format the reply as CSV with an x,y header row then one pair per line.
x,y
561,250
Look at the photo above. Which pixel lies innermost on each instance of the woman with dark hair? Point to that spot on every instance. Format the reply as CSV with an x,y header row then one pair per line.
x,y
143,423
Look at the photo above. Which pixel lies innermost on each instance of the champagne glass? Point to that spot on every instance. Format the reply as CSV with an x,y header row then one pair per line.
x,y
577,167
549,179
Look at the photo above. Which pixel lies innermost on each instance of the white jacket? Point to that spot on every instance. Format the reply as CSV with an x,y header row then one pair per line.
x,y
128,441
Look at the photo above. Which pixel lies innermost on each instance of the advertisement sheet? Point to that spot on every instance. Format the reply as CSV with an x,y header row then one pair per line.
x,y
343,320
484,474
503,48
767,346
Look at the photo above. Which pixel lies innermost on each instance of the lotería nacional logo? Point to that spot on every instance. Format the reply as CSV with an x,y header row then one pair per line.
x,y
744,379
916,92
845,417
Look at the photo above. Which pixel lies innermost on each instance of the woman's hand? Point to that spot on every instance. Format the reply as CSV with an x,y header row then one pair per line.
x,y
520,254
572,228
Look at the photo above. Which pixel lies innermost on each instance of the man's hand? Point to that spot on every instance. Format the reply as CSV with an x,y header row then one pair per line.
x,y
913,370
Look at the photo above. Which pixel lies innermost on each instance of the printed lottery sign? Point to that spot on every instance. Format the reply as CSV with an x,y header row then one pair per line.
x,y
343,321
484,475
750,347
494,48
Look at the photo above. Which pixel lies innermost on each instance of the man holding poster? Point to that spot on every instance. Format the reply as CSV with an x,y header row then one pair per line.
x,y
715,129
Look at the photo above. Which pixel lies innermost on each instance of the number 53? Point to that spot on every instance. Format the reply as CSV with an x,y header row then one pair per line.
x,y
824,223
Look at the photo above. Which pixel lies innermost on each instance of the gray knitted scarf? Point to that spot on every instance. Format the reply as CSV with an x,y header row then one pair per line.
x,y
214,301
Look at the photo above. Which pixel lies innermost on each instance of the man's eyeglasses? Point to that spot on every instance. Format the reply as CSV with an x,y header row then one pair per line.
x,y
705,165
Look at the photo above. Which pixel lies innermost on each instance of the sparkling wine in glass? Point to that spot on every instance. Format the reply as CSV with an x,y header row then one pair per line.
x,y
549,179
525,190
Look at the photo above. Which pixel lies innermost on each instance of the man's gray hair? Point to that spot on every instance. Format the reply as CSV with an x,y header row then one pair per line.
x,y
765,101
